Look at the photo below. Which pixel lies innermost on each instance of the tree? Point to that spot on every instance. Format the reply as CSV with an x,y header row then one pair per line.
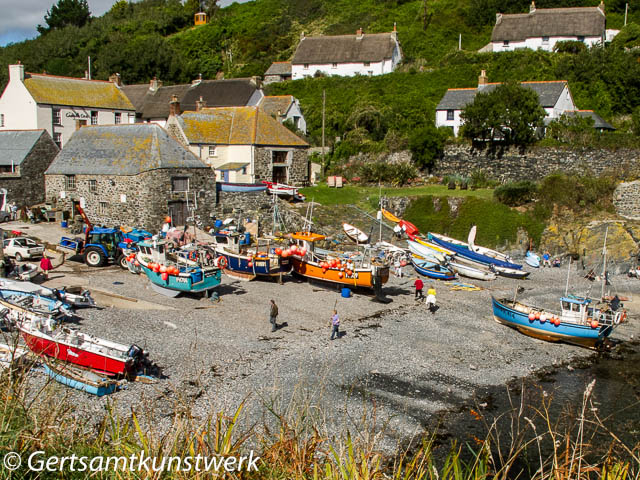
x,y
66,12
635,122
509,114
426,145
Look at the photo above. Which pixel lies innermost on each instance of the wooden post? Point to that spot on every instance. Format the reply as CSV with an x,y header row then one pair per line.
x,y
324,98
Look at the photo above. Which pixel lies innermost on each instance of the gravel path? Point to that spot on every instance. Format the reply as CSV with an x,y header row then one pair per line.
x,y
397,365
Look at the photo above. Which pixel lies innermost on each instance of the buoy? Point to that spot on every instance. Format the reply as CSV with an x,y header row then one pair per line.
x,y
532,316
324,269
594,324
293,248
556,321
340,274
537,315
136,263
278,251
164,276
543,318
285,254
302,252
250,264
163,269
403,263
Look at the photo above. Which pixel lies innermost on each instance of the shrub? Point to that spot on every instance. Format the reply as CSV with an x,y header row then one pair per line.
x,y
569,46
514,194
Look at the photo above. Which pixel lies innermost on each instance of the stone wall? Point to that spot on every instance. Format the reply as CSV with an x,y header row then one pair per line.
x,y
298,169
137,200
26,186
534,164
626,200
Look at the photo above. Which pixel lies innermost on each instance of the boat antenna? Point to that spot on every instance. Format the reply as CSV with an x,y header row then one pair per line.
x,y
307,219
604,264
566,288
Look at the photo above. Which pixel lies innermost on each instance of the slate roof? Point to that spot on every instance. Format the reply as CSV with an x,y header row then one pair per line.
x,y
598,121
279,68
236,126
550,22
276,104
76,92
234,92
127,149
457,98
15,145
370,47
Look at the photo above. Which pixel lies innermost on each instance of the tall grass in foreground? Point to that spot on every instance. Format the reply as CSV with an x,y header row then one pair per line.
x,y
527,442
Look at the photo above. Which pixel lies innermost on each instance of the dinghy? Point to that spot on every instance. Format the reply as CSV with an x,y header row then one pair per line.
x,y
81,379
426,252
532,259
355,233
472,272
432,269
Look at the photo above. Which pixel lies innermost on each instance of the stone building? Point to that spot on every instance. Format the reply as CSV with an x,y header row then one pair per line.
x,y
283,108
242,144
278,72
24,157
131,175
61,105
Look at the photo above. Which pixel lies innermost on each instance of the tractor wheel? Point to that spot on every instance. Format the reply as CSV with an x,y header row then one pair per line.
x,y
94,257
122,261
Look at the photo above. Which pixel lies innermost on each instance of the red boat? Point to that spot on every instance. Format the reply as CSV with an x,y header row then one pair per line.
x,y
69,345
409,228
283,190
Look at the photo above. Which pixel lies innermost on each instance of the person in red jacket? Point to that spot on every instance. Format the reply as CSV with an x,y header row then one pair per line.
x,y
45,266
419,286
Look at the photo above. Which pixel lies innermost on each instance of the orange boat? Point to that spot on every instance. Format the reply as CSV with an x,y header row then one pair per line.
x,y
390,216
363,271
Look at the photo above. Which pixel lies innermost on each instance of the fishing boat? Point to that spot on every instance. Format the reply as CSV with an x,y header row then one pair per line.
x,y
355,233
176,271
240,260
76,300
70,345
432,269
472,272
510,272
241,187
579,322
426,252
363,270
81,379
283,190
532,259
462,249
434,246
16,304
389,216
11,356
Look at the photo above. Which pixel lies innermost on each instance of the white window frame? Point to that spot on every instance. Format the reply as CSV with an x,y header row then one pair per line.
x,y
451,113
102,208
57,139
93,186
56,116
334,65
70,182
212,151
94,116
117,118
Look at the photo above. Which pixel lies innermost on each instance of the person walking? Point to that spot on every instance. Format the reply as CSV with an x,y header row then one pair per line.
x,y
431,299
398,268
45,266
273,315
419,284
335,324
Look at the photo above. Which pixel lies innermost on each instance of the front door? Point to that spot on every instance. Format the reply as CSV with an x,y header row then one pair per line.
x,y
178,212
225,175
280,174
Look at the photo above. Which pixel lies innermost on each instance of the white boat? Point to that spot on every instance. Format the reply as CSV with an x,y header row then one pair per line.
x,y
426,252
11,355
483,250
510,272
76,300
355,233
472,272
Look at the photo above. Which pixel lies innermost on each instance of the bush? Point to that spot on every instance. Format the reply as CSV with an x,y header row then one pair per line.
x,y
578,192
516,193
569,46
479,179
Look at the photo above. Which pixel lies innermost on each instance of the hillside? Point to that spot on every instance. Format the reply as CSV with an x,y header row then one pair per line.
x,y
155,38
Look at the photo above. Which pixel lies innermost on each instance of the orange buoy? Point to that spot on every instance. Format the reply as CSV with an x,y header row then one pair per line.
x,y
136,263
163,269
340,274
556,321
250,264
164,276
278,251
302,252
537,315
532,316
293,248
594,324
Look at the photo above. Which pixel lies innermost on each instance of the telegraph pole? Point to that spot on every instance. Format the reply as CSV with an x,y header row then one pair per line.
x,y
626,9
324,98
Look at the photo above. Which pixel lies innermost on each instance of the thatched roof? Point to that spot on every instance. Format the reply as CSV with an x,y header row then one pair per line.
x,y
369,47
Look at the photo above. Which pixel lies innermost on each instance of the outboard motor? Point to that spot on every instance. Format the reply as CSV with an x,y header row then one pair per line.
x,y
135,352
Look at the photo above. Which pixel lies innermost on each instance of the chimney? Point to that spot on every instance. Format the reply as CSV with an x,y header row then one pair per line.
x,y
86,74
200,104
601,6
394,33
256,81
498,18
16,72
197,80
301,35
115,78
483,80
155,84
532,7
174,106
359,33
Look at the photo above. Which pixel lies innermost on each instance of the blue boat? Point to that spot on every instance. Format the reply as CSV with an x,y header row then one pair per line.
x,y
33,301
81,379
462,249
190,275
241,187
432,269
245,262
579,322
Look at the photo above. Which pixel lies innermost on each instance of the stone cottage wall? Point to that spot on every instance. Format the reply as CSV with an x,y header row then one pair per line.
x,y
26,185
136,200
534,164
298,169
626,200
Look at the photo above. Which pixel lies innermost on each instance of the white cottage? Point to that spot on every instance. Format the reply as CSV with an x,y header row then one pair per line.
x,y
61,105
283,108
554,96
347,55
542,28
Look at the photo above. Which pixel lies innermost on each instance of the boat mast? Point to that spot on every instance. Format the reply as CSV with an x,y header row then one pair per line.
x,y
566,288
604,264
380,211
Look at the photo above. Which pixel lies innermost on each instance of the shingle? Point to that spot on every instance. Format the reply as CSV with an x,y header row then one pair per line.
x,y
127,149
370,47
236,126
458,98
550,22
15,145
76,92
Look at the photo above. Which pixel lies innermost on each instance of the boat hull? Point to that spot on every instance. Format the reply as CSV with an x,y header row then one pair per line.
x,y
478,257
364,278
436,272
73,378
199,280
241,187
249,267
581,335
471,272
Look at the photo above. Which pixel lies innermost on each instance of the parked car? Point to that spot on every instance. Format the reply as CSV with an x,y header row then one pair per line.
x,y
5,216
22,247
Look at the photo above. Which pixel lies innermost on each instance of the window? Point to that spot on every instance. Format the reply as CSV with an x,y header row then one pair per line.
x,y
102,208
505,43
545,39
334,65
366,64
70,182
449,114
93,186
1,119
279,157
212,150
306,66
370,73
57,138
94,118
180,184
244,170
118,118
580,38
57,117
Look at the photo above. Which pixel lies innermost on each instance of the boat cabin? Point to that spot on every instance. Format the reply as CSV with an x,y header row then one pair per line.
x,y
579,310
232,241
